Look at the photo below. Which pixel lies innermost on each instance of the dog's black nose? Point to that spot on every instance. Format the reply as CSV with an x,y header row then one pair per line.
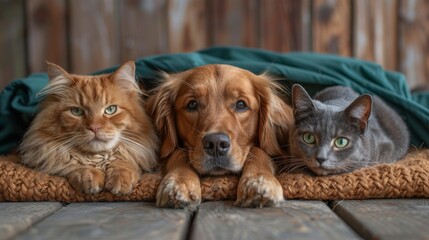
x,y
321,160
216,144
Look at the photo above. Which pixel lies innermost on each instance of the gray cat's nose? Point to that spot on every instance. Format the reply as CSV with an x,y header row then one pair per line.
x,y
321,160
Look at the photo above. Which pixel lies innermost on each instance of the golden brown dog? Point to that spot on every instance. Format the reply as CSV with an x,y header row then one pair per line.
x,y
214,120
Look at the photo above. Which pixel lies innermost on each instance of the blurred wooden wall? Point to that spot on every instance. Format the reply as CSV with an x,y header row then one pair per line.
x,y
88,35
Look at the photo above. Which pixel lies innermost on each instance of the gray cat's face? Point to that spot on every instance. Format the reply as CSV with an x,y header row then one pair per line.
x,y
327,138
326,143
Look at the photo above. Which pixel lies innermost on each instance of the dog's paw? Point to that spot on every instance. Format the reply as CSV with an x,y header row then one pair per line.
x,y
259,191
121,181
87,180
177,192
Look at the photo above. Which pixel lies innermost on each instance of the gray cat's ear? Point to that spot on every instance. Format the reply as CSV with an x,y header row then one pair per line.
x,y
359,111
301,102
56,72
125,75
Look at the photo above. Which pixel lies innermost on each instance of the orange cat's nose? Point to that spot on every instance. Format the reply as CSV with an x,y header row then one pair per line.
x,y
94,128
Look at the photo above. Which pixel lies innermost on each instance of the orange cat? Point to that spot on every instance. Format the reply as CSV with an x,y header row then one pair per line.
x,y
93,130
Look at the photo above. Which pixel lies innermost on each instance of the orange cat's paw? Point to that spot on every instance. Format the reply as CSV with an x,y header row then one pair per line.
x,y
87,180
121,181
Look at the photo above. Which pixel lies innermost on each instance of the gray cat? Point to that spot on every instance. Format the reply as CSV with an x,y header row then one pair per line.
x,y
341,131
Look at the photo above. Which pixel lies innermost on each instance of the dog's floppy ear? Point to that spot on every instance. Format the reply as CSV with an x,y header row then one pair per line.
x,y
160,106
275,117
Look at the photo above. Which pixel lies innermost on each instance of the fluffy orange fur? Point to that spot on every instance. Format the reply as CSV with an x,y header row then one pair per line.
x,y
244,108
92,130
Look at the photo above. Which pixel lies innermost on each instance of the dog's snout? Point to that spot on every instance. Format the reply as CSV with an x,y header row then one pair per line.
x,y
216,144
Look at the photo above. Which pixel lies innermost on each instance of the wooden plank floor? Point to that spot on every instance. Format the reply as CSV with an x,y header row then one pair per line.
x,y
369,219
292,220
120,220
387,219
17,217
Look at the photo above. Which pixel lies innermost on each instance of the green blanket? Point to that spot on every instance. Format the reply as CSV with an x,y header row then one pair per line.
x,y
314,71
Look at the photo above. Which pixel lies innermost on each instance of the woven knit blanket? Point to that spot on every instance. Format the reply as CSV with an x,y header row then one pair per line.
x,y
404,179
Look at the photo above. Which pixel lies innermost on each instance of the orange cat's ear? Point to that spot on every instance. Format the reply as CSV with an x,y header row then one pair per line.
x,y
55,71
59,81
125,75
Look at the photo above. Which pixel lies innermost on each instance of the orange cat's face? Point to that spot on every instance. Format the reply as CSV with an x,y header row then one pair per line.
x,y
91,113
95,113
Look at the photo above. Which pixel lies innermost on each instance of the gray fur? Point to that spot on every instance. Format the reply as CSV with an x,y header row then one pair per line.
x,y
381,138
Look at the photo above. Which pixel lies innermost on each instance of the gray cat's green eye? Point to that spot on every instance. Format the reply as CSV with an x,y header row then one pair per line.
x,y
111,109
309,138
77,111
341,142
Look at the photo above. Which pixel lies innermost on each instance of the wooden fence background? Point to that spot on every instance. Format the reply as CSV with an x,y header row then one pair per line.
x,y
87,35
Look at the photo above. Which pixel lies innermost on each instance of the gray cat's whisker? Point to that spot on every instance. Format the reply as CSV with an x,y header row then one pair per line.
x,y
299,169
293,169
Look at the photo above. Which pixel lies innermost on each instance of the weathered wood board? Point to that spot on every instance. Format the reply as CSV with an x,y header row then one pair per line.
x,y
386,218
233,22
186,25
414,41
285,25
120,220
374,31
16,217
331,32
12,42
292,220
93,35
143,25
46,34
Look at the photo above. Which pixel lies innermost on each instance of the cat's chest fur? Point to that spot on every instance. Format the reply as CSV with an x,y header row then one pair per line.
x,y
98,160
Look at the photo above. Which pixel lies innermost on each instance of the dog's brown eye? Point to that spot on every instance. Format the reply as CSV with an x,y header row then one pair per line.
x,y
192,106
240,106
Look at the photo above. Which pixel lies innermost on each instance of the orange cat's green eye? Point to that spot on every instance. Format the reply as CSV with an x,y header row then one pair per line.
x,y
341,142
309,138
111,109
77,111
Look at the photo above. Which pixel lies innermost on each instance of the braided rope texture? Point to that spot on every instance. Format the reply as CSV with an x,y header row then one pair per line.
x,y
404,179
